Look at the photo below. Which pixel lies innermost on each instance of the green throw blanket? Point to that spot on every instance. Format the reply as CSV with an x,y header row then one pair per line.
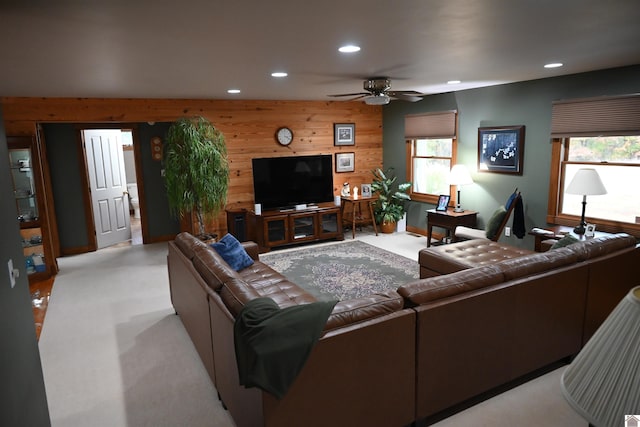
x,y
272,344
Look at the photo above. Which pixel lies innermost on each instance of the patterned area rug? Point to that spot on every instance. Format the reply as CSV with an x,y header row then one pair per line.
x,y
345,270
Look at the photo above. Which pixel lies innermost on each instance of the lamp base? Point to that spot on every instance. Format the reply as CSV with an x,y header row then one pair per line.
x,y
580,229
458,209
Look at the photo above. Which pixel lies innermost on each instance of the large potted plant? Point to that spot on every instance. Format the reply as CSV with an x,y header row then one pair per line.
x,y
389,208
196,170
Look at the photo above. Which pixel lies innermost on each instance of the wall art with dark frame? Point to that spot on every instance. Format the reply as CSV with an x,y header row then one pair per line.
x,y
501,149
344,134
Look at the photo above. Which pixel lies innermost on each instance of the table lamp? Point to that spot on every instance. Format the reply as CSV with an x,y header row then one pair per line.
x,y
586,182
602,383
459,176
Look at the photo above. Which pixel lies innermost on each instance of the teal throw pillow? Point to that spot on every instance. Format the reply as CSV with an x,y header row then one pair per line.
x,y
232,251
494,222
565,241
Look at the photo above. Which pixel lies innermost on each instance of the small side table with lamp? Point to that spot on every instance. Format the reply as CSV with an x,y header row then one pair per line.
x,y
585,182
459,176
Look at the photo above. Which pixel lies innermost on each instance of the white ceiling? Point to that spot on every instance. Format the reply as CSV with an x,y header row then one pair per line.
x,y
201,48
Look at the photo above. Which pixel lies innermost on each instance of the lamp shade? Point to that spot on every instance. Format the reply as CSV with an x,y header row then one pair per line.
x,y
586,181
459,175
603,382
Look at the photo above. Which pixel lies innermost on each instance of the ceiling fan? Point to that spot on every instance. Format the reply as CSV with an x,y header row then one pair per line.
x,y
378,92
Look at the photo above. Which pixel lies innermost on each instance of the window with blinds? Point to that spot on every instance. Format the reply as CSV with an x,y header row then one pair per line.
x,y
430,153
603,134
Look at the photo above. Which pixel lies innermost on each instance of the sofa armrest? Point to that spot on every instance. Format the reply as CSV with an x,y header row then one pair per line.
x,y
252,250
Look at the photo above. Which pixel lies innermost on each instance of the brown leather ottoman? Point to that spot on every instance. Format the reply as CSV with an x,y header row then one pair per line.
x,y
445,259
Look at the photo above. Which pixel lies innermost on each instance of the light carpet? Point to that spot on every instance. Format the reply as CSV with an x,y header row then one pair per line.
x,y
113,351
115,354
346,270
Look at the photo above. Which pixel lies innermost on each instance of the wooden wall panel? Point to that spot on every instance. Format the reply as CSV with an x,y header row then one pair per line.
x,y
249,128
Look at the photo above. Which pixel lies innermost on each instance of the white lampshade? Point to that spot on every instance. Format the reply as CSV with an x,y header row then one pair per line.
x,y
459,175
603,382
586,181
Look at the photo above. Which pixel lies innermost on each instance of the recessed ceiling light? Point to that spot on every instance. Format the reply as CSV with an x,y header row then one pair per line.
x,y
233,91
453,82
553,65
279,74
350,48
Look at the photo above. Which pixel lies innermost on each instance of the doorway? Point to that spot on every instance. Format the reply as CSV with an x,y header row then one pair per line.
x,y
132,186
114,194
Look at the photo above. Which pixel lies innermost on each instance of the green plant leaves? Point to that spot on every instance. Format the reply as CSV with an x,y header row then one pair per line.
x,y
196,168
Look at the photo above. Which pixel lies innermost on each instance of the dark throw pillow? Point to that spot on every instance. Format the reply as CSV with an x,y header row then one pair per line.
x,y
232,251
494,222
565,241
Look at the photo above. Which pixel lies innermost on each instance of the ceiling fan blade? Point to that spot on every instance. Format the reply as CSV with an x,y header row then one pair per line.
x,y
351,94
407,92
404,97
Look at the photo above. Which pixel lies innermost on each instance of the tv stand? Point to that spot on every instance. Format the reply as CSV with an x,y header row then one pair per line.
x,y
275,228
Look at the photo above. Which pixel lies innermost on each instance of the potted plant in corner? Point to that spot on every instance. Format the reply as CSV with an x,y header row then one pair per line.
x,y
389,208
196,170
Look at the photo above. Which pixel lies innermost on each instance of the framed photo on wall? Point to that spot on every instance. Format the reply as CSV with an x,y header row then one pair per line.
x,y
501,149
344,134
345,162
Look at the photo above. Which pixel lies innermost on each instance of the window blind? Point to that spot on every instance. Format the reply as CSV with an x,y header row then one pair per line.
x,y
431,125
605,116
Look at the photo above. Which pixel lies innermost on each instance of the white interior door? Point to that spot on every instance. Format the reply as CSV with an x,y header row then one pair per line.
x,y
105,164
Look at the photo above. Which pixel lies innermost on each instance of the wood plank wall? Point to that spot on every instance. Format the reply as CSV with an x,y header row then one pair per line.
x,y
249,128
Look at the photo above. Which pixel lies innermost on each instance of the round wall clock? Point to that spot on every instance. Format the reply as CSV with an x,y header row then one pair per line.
x,y
284,136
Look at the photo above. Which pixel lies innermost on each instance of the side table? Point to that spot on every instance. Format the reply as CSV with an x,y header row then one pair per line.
x,y
449,220
355,217
557,232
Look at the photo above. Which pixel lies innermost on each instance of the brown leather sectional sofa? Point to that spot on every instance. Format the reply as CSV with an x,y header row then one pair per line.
x,y
403,357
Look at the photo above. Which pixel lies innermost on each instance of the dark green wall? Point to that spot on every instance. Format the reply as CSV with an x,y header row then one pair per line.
x,y
23,401
160,222
63,154
64,157
526,103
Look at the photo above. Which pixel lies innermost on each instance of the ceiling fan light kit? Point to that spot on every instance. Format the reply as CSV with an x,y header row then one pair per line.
x,y
380,99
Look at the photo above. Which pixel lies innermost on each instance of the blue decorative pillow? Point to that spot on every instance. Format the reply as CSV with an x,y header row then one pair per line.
x,y
510,200
232,251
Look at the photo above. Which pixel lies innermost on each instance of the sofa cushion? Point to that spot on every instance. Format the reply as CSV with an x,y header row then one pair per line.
x,y
602,245
232,251
458,256
536,263
269,283
357,310
433,288
235,294
188,243
494,222
213,269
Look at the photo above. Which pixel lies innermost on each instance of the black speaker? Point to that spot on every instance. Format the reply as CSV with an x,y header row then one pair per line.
x,y
237,224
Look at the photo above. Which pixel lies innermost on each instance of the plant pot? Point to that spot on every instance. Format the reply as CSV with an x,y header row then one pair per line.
x,y
388,227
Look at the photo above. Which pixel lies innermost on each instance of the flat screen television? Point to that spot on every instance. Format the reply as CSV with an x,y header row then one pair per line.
x,y
284,182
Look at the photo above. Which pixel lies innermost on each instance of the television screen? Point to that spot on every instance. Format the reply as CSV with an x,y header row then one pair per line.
x,y
283,182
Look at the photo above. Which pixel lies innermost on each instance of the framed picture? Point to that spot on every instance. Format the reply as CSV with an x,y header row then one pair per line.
x,y
366,190
590,230
443,202
344,134
501,149
345,162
